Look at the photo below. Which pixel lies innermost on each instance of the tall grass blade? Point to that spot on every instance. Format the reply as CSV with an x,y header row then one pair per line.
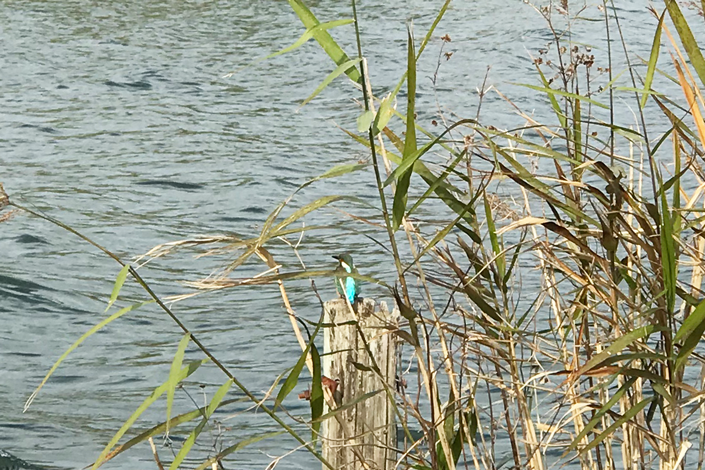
x,y
409,162
191,440
77,343
404,177
161,428
328,44
437,182
316,393
235,447
293,378
119,281
687,38
690,333
567,94
159,391
173,374
331,76
617,346
496,249
597,418
653,59
626,417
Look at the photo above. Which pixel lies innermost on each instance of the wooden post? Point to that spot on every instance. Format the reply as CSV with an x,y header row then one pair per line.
x,y
367,427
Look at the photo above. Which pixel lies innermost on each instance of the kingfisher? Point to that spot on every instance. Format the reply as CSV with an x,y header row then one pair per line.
x,y
352,285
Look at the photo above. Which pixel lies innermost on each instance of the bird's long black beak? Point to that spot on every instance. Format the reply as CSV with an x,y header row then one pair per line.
x,y
336,257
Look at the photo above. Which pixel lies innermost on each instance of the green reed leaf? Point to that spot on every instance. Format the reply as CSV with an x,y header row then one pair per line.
x,y
491,229
690,333
626,417
161,428
325,40
437,181
687,38
384,114
293,377
235,447
339,70
159,391
308,34
364,121
191,440
316,393
77,343
567,94
404,178
173,374
597,418
618,345
119,281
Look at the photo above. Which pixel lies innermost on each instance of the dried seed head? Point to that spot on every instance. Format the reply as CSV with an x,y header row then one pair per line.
x,y
446,38
4,198
7,215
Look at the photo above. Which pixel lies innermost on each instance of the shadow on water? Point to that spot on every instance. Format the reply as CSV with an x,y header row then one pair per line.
x,y
172,184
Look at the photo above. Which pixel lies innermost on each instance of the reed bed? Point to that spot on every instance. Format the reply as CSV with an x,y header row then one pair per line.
x,y
602,367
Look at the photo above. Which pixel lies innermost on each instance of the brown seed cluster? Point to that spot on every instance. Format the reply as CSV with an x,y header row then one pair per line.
x,y
5,201
4,198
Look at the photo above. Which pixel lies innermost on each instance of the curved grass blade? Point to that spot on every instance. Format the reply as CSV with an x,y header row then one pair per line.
x,y
653,59
308,34
554,102
173,373
364,121
161,428
119,281
687,38
317,204
691,331
316,393
443,189
439,180
324,39
80,340
410,148
617,346
597,418
567,94
159,391
292,379
492,230
410,162
331,76
627,416
235,447
347,405
191,440
384,114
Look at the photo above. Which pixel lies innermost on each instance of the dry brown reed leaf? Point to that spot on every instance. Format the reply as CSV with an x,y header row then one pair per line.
x,y
166,248
529,220
7,216
4,202
4,198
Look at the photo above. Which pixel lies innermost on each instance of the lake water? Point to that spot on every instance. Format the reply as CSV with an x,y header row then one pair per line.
x,y
116,119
